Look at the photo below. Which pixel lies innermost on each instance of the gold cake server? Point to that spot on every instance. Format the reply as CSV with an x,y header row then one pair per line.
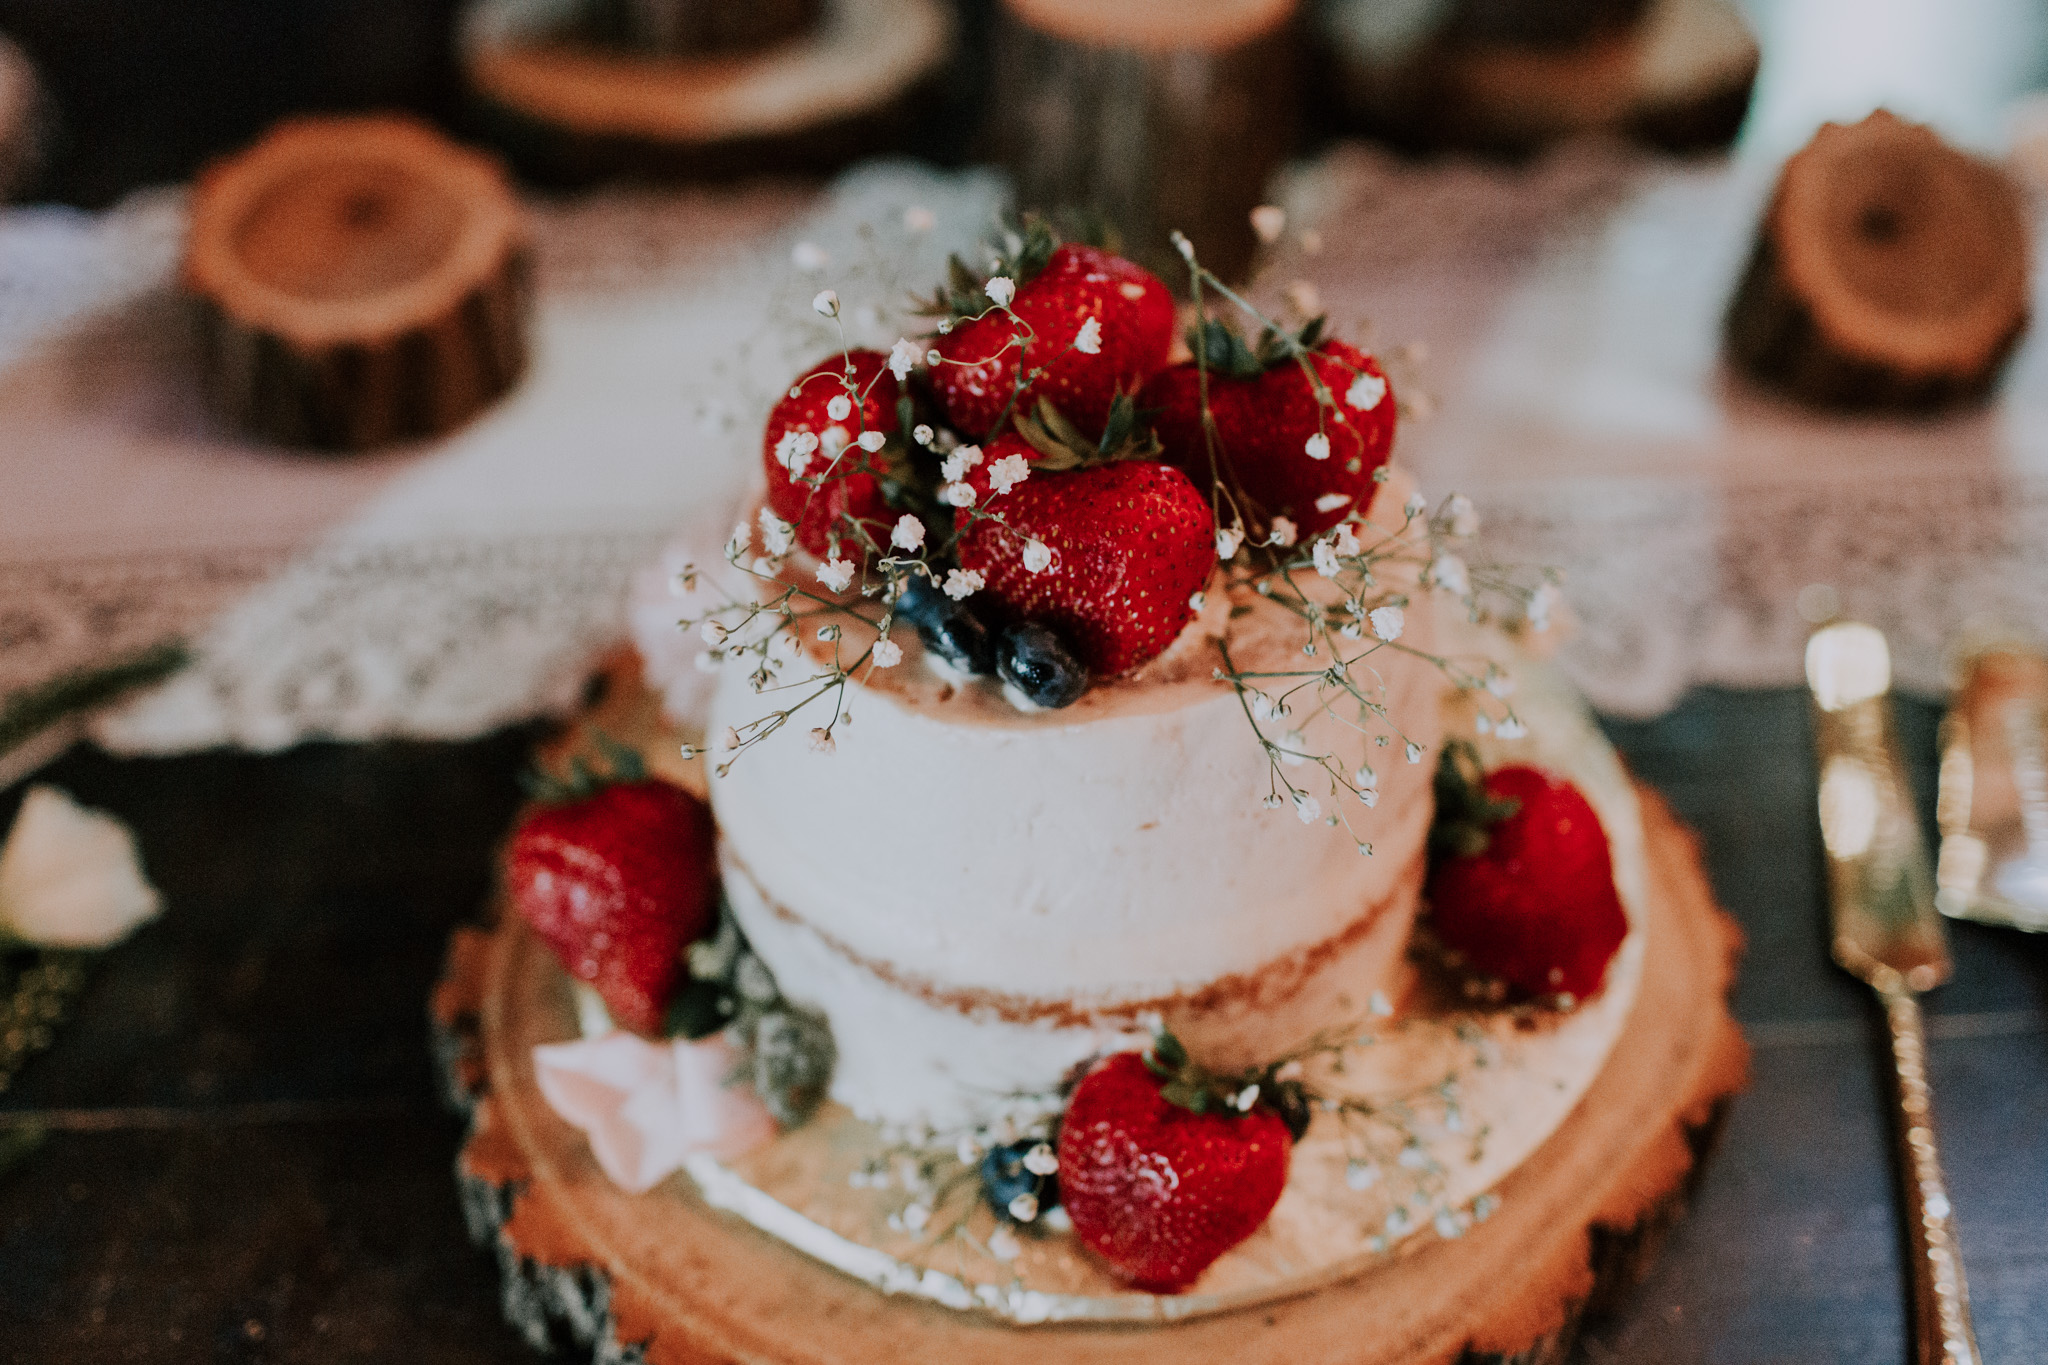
x,y
1888,933
1993,806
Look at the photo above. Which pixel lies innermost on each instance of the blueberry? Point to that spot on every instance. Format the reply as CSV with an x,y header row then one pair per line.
x,y
1004,1176
947,628
1032,659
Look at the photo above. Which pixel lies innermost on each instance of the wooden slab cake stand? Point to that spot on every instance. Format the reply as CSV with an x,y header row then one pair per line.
x,y
360,280
587,1265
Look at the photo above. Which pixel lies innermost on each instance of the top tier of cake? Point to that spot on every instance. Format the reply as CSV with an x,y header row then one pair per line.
x,y
979,896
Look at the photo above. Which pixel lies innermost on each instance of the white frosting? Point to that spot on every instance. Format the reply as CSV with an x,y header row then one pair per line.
x,y
954,858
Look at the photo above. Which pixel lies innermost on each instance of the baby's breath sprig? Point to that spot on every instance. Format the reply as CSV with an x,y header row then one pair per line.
x,y
1346,587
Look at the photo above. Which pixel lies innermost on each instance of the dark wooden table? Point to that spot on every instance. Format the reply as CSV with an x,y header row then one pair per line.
x,y
246,1160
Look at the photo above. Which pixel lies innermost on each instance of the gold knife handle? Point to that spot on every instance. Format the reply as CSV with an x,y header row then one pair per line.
x,y
1941,1297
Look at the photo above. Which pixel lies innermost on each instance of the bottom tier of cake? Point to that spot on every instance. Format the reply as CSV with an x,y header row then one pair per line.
x,y
1495,1250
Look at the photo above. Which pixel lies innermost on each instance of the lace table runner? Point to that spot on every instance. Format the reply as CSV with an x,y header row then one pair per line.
x,y
1570,311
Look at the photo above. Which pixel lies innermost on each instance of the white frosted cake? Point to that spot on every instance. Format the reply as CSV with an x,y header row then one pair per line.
x,y
1037,882
1085,718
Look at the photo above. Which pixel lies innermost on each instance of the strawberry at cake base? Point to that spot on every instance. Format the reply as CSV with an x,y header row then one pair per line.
x,y
979,897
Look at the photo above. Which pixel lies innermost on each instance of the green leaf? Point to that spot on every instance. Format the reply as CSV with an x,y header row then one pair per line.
x,y
34,709
1464,810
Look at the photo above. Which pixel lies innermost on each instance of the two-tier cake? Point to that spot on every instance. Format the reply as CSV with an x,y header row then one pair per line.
x,y
1084,718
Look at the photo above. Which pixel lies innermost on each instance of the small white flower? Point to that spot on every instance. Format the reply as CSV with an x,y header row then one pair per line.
x,y
1269,221
1264,707
915,1217
821,740
793,451
732,738
932,357
70,877
1360,1175
1317,446
1037,556
967,1149
902,357
1463,515
1294,748
921,434
1326,560
1346,540
1181,244
1283,533
836,574
1413,752
957,494
835,440
776,534
955,466
839,408
1040,1160
736,544
1541,603
810,258
1197,600
1500,684
963,583
1000,290
1511,728
1330,502
872,441
1308,808
908,533
1365,779
713,633
1228,538
1449,573
1387,622
1304,298
1416,504
1365,392
1003,1244
918,218
1007,473
1024,1208
887,653
1088,341
826,303
1378,1006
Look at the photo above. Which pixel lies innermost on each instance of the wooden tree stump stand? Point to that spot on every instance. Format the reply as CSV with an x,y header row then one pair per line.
x,y
360,281
1890,271
701,28
1160,115
570,111
665,1279
25,118
1678,77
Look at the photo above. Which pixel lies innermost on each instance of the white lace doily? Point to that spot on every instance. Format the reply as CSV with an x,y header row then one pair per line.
x,y
438,590
1571,312
1570,309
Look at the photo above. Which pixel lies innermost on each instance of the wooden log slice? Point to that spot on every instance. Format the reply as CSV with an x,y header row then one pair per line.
x,y
664,1275
360,281
1157,114
1678,78
568,111
1890,271
701,28
25,120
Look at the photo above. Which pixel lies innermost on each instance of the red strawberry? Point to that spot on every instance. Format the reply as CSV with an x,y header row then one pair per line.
x,y
1159,1190
618,884
1131,542
1526,896
1266,411
838,485
985,357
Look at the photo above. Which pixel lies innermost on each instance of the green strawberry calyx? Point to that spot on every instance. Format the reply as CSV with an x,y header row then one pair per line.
x,y
1222,349
1465,812
1062,446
